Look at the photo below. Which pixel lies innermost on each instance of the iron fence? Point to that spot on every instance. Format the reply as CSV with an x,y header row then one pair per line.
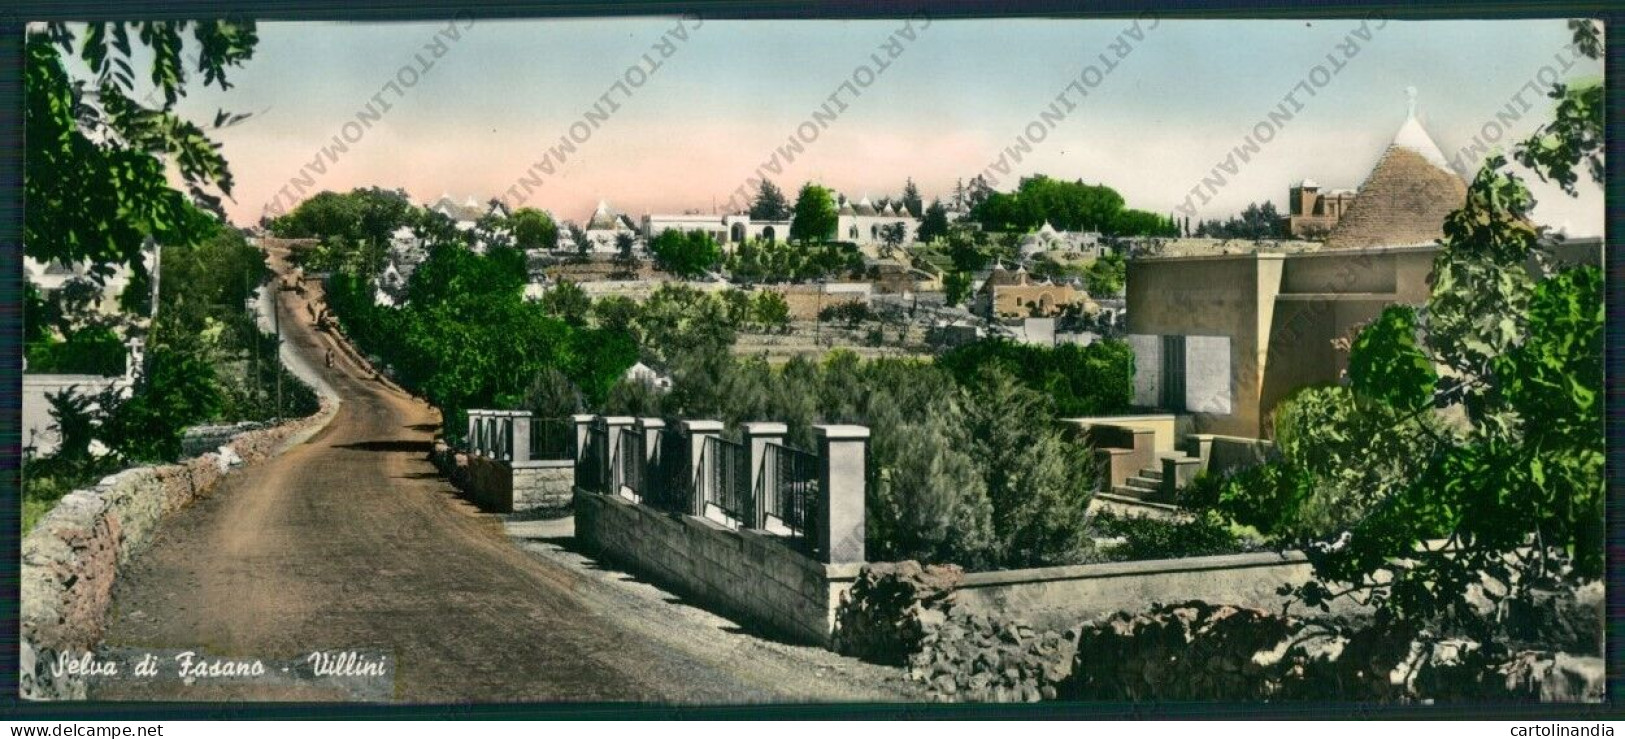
x,y
669,486
592,464
630,462
727,466
790,479
552,438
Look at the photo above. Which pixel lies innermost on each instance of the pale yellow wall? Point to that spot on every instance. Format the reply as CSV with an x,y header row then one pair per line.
x,y
1212,296
1162,427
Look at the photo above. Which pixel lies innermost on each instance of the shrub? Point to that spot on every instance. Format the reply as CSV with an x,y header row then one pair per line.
x,y
1082,380
91,351
850,313
1152,538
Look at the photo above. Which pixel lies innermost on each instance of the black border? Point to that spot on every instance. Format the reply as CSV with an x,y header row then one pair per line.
x,y
11,29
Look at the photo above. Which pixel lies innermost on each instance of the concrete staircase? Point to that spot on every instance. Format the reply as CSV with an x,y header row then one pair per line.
x,y
1145,485
1143,489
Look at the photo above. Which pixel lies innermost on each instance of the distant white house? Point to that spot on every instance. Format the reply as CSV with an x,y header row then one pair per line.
x,y
862,223
1048,239
38,436
605,226
643,373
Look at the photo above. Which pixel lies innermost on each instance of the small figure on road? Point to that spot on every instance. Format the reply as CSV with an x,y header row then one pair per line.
x,y
330,358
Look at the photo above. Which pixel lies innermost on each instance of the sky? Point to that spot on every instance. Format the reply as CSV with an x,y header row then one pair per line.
x,y
958,94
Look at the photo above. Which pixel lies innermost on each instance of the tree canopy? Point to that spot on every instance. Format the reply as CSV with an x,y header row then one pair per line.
x,y
1067,206
815,217
94,159
533,229
685,253
770,204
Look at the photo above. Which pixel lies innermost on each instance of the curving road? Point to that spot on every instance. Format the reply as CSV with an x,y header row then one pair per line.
x,y
351,540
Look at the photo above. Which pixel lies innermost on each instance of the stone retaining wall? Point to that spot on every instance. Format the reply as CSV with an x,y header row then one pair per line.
x,y
1061,597
507,487
746,574
72,557
197,440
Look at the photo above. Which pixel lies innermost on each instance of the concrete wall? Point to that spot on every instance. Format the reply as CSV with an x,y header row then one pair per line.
x,y
37,423
1229,295
72,557
500,486
1221,454
748,575
1282,314
1166,428
1062,597
806,301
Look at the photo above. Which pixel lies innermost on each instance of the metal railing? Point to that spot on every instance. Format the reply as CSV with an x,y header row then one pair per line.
x,y
727,467
790,488
669,488
552,438
591,464
630,461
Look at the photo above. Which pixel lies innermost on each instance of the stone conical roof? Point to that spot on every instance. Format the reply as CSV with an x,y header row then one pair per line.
x,y
1405,198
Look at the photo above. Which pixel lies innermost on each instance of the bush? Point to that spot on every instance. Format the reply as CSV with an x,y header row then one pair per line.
x,y
87,352
1088,380
850,313
1152,538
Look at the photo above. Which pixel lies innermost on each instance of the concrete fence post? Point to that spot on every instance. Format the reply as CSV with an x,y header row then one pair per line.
x,y
695,433
583,428
612,426
521,436
1200,446
757,436
471,439
842,471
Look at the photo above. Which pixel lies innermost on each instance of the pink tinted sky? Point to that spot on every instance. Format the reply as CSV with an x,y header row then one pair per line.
x,y
959,94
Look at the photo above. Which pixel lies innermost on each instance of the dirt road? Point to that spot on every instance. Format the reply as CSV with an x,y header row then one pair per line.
x,y
351,540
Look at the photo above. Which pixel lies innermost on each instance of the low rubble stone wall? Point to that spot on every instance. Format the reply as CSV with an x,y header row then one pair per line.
x,y
73,556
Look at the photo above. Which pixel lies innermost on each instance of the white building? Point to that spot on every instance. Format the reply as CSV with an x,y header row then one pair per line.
x,y
1047,239
729,229
862,223
605,225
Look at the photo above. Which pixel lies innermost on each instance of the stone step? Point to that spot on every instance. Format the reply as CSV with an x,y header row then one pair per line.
x,y
1143,483
1154,473
1134,506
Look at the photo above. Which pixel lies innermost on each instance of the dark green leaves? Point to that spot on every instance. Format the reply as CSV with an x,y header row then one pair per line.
x,y
1387,366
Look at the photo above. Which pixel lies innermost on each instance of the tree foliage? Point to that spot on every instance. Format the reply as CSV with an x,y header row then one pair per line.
x,y
933,224
1106,276
685,253
769,204
94,158
533,229
1068,206
1575,135
1255,222
939,489
777,262
1078,380
1498,456
815,218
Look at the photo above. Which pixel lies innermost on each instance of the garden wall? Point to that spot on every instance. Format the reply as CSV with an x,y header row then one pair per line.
x,y
500,486
746,574
72,558
1062,597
